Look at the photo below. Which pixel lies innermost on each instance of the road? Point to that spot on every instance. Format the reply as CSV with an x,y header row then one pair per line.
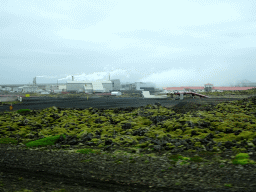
x,y
38,103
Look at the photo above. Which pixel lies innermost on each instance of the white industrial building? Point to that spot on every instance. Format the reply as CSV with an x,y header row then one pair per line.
x,y
18,89
62,87
128,86
89,87
27,89
57,91
146,95
55,88
117,93
138,86
146,86
116,85
96,86
31,89
70,86
6,89
45,93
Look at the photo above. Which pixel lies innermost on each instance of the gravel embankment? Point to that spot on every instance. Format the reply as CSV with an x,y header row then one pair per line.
x,y
123,177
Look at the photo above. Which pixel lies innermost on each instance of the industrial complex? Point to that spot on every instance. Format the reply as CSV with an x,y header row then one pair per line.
x,y
100,86
115,87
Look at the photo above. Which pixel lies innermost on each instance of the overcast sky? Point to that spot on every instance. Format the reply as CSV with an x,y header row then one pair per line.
x,y
167,42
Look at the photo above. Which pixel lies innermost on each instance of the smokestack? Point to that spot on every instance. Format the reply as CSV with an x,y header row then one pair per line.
x,y
34,81
109,77
72,78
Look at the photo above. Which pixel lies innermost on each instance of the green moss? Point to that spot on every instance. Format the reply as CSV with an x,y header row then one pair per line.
x,y
21,111
216,149
143,145
175,157
87,151
44,142
196,159
8,140
242,159
101,145
94,140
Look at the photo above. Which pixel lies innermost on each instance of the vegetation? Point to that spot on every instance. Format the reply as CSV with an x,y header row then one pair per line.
x,y
23,110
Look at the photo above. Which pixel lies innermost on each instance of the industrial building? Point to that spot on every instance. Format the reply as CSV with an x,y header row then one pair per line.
x,y
54,88
99,86
117,93
245,83
6,89
90,87
114,85
145,86
70,86
18,89
27,89
146,95
207,88
128,86
138,86
31,89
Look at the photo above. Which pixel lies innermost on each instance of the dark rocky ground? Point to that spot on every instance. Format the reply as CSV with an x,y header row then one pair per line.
x,y
34,174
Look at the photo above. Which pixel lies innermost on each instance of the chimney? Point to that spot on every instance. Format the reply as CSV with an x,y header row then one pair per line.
x,y
34,81
72,78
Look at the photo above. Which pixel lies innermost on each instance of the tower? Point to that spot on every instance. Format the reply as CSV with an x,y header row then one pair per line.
x,y
208,87
34,81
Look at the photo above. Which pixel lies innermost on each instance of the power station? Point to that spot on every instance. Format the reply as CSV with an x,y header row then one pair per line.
x,y
113,85
98,86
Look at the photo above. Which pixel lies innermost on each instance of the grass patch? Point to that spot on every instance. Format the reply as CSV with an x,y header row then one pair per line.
x,y
23,110
86,151
44,142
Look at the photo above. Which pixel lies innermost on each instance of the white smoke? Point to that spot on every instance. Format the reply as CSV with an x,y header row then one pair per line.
x,y
168,77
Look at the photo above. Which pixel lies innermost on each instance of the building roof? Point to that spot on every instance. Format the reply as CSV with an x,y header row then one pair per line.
x,y
233,88
213,88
